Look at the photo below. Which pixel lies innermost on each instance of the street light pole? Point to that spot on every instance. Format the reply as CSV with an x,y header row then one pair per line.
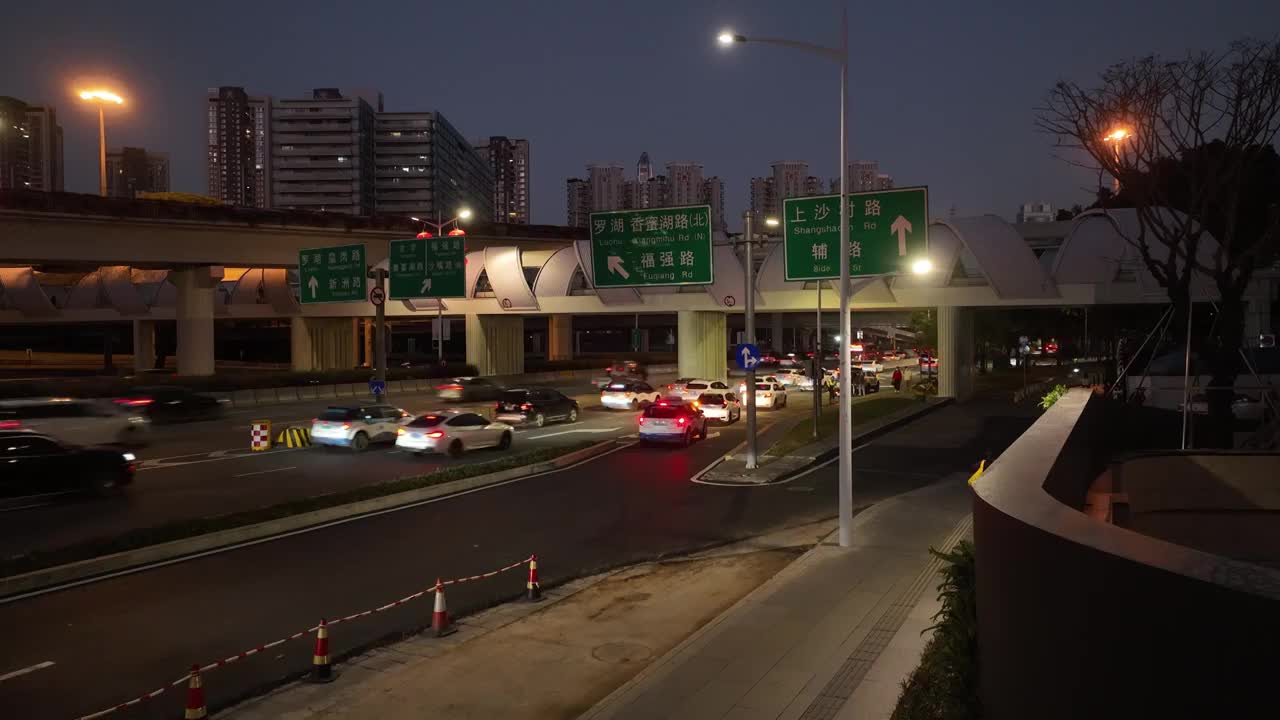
x,y
102,152
463,214
817,365
751,338
845,474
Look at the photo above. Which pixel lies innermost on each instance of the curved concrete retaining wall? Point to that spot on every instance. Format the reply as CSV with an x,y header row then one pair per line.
x,y
1081,619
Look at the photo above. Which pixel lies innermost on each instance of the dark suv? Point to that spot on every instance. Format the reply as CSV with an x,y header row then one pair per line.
x,y
536,407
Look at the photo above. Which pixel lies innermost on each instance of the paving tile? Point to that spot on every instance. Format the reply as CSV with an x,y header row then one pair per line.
x,y
712,701
775,691
873,700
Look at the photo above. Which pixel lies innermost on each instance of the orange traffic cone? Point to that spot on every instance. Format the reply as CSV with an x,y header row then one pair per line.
x,y
535,590
441,625
196,709
321,667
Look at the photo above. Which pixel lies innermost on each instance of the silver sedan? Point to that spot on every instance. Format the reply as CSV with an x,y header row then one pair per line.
x,y
452,432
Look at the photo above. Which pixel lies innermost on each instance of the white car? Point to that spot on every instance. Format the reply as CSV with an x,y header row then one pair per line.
x,y
688,389
453,432
742,386
76,422
770,395
870,367
357,426
720,406
628,395
795,379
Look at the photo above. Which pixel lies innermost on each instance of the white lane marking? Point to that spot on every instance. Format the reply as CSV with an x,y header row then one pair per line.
x,y
26,670
215,456
264,472
569,432
342,521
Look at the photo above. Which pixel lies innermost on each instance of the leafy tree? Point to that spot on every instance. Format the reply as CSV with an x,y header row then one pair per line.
x,y
1194,156
925,325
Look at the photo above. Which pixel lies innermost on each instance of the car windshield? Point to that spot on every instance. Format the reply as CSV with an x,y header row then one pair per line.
x,y
696,386
427,421
515,396
666,411
711,399
338,414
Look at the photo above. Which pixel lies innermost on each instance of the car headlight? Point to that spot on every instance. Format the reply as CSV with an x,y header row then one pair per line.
x,y
129,457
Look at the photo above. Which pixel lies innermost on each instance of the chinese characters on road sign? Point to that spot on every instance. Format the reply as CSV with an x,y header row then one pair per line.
x,y
428,268
660,246
333,274
888,229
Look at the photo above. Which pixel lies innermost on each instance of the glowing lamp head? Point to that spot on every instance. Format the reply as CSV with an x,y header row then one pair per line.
x,y
771,221
1116,135
727,38
424,235
922,266
456,232
464,214
101,96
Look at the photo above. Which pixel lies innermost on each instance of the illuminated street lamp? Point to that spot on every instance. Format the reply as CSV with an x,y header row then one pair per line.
x,y
1115,137
100,98
839,55
922,266
464,213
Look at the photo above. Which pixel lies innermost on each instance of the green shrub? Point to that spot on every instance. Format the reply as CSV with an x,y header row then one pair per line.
x,y
1052,396
945,685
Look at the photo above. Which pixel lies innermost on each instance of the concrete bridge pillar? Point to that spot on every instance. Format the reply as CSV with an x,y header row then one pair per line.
x,y
775,333
144,345
194,314
559,337
495,344
955,352
702,343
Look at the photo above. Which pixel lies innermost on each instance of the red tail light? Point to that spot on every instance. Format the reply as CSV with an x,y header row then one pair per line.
x,y
671,387
526,406
448,387
436,434
400,431
681,420
641,419
608,369
346,426
9,424
131,468
134,402
768,394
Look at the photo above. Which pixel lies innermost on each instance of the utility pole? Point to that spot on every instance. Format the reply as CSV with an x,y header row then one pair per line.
x,y
817,366
749,239
380,334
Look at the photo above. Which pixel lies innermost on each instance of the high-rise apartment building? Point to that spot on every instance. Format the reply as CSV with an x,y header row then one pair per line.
x,y
509,162
30,147
239,147
45,155
862,175
1036,212
133,170
764,200
322,153
813,186
884,181
686,183
578,206
790,178
606,186
425,167
713,195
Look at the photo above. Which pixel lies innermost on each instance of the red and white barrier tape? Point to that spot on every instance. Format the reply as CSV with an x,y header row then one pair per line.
x,y
301,633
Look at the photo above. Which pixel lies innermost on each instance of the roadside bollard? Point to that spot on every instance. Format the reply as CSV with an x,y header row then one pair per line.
x,y
196,709
534,589
441,624
260,435
321,667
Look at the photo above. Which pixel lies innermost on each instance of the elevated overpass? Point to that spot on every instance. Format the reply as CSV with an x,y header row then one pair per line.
x,y
68,259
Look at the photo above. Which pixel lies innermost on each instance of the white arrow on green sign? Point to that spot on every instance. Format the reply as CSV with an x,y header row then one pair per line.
x,y
656,246
332,274
427,268
888,230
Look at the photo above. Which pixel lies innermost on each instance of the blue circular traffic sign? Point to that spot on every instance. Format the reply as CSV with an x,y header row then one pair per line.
x,y
747,356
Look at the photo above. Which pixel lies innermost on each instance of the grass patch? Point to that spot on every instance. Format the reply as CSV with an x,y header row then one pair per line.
x,y
829,422
181,529
945,685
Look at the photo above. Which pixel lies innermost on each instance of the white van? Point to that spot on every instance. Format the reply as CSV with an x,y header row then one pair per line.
x,y
76,422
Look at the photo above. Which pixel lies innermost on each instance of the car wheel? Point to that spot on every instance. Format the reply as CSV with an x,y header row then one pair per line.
x,y
539,420
455,449
573,415
505,442
688,438
103,484
360,442
703,434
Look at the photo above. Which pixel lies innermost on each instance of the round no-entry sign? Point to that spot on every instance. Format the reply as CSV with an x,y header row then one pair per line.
x,y
730,301
377,296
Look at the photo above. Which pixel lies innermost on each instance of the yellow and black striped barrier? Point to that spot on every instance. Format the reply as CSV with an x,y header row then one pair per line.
x,y
295,437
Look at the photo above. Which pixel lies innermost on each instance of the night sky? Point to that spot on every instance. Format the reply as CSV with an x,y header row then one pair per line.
x,y
944,97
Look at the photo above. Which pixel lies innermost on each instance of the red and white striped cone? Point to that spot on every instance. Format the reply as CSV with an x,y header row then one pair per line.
x,y
321,666
196,709
534,589
441,625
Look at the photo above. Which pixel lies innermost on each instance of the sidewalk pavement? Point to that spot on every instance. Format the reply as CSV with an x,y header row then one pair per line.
x,y
831,636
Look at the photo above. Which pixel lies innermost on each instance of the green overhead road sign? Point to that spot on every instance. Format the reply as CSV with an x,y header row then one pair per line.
x,y
660,246
888,230
428,268
332,274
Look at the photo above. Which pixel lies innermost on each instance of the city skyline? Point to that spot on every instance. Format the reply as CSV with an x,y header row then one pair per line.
x,y
974,145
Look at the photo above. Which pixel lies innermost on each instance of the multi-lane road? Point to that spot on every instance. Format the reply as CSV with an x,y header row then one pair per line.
x,y
90,646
